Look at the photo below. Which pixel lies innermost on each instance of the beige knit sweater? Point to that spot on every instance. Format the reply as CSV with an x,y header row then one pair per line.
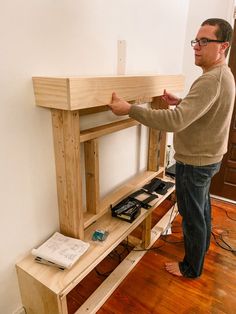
x,y
201,122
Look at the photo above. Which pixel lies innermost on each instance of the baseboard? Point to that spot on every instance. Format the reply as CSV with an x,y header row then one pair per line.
x,y
223,199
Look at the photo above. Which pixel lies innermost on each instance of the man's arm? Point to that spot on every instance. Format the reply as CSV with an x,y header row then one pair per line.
x,y
121,107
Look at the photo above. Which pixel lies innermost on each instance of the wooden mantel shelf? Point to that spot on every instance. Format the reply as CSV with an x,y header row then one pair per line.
x,y
72,93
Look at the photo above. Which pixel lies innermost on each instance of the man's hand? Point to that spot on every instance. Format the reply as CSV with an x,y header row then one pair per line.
x,y
119,106
171,99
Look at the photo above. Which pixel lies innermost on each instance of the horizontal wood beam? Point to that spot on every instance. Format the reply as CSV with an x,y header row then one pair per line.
x,y
73,93
98,131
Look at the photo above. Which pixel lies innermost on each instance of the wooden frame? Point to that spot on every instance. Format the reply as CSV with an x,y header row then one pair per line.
x,y
69,98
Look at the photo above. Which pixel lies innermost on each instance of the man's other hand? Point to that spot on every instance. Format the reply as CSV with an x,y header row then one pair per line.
x,y
171,99
119,106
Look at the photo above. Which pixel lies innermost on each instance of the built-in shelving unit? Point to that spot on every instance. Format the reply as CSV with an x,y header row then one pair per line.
x,y
44,289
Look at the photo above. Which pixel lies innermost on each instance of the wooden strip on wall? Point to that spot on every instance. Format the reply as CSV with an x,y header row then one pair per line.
x,y
87,92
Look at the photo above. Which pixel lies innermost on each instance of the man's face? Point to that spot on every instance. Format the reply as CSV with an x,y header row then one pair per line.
x,y
211,54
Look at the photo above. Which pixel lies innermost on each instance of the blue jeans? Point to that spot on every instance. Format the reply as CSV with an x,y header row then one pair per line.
x,y
193,199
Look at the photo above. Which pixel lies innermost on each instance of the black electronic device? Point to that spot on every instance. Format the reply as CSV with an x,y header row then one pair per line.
x,y
127,210
145,202
171,170
153,185
159,186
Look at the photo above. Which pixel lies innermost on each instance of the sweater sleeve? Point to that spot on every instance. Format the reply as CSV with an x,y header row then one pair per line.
x,y
199,100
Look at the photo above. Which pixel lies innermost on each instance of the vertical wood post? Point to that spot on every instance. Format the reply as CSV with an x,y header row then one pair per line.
x,y
153,144
66,132
157,141
146,231
92,175
156,159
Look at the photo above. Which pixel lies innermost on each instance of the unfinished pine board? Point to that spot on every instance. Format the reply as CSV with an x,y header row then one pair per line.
x,y
67,157
71,93
87,111
118,194
146,231
153,149
92,175
105,290
109,128
157,141
154,142
38,297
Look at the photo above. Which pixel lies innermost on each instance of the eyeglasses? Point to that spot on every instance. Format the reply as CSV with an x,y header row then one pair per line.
x,y
204,41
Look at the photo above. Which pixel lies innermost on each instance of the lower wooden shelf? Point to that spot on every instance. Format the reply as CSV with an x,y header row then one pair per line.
x,y
44,289
116,196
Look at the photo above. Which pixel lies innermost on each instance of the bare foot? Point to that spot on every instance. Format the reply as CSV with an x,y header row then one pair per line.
x,y
173,268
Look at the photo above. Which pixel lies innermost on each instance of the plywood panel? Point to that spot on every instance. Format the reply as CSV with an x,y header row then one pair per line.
x,y
37,298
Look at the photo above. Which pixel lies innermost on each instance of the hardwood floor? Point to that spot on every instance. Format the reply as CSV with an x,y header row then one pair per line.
x,y
150,289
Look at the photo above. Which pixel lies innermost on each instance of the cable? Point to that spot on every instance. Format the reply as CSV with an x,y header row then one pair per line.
x,y
150,249
225,245
169,222
218,237
127,247
228,215
112,255
172,242
178,225
226,212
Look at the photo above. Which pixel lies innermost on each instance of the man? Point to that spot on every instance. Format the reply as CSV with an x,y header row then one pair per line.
x,y
200,123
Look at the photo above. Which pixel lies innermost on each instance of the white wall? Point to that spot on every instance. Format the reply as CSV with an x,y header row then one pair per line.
x,y
66,37
198,12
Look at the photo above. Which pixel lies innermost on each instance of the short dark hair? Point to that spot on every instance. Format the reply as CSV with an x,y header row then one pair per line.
x,y
224,31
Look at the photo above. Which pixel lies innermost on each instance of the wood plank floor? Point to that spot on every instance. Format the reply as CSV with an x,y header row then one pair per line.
x,y
150,289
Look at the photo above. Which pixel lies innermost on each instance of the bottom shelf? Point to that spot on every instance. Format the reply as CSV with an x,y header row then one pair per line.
x,y
108,286
50,286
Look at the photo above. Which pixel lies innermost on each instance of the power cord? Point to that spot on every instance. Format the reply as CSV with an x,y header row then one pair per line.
x,y
219,236
220,241
113,255
226,212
